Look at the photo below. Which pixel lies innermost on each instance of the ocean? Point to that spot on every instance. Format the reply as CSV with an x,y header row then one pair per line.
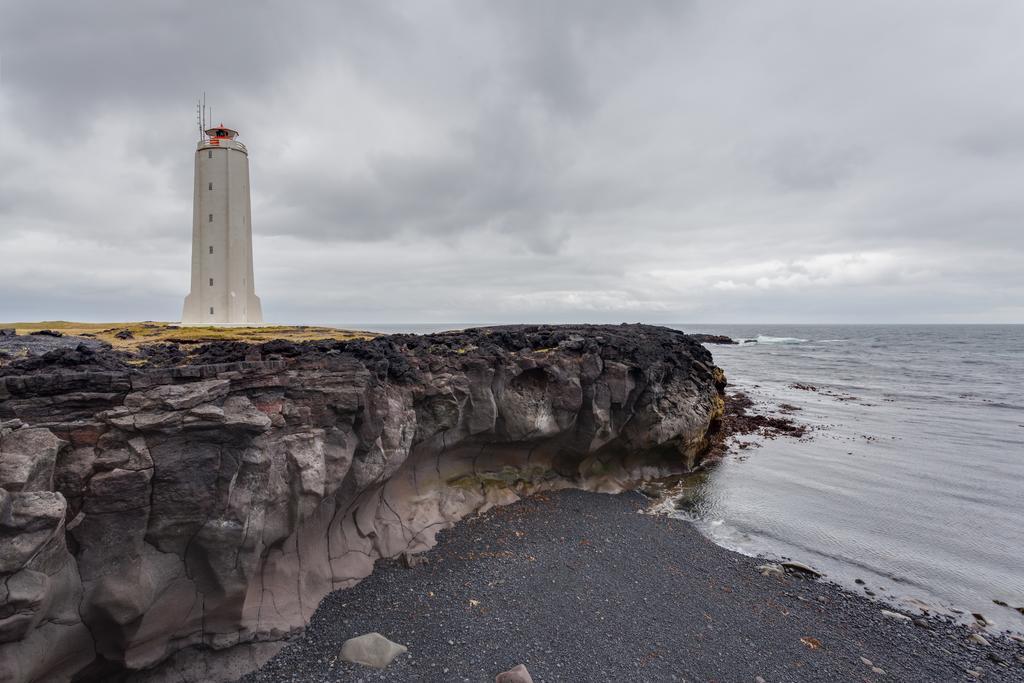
x,y
911,479
909,484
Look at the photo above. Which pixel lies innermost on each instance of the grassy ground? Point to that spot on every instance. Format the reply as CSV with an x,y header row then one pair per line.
x,y
153,332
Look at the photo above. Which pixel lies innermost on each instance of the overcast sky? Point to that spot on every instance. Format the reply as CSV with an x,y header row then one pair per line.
x,y
542,161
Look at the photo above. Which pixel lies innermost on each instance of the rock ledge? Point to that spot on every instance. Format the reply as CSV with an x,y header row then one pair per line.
x,y
146,512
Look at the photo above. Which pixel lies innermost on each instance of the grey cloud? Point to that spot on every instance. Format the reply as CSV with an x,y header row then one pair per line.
x,y
803,163
524,160
139,56
502,178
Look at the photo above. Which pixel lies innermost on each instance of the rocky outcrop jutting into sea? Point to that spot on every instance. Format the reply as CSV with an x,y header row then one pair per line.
x,y
147,510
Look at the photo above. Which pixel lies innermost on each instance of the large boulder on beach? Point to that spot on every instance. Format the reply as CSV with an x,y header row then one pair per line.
x,y
371,649
211,506
517,674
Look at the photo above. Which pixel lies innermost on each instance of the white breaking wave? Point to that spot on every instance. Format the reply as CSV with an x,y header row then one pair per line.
x,y
765,339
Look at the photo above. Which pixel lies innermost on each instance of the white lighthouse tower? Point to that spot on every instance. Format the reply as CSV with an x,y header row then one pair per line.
x,y
222,284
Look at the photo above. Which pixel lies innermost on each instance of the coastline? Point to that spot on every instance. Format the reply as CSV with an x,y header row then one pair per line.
x,y
489,560
581,586
907,484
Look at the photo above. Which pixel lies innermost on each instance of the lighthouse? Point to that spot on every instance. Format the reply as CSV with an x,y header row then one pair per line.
x,y
222,290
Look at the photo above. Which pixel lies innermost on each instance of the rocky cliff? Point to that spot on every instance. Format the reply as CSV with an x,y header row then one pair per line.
x,y
208,500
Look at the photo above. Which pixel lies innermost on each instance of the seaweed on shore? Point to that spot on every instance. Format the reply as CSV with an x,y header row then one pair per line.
x,y
737,420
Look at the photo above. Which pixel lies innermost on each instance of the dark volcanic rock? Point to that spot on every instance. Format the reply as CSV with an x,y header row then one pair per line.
x,y
714,339
213,504
82,356
164,355
29,353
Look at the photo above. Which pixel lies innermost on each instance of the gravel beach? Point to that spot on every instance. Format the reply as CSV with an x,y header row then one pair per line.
x,y
581,587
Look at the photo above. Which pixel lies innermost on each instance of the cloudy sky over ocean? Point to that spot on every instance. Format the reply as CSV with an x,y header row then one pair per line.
x,y
524,161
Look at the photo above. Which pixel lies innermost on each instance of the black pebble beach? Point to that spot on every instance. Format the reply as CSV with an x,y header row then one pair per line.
x,y
582,587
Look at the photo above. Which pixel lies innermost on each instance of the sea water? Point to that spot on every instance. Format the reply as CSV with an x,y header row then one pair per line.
x,y
911,477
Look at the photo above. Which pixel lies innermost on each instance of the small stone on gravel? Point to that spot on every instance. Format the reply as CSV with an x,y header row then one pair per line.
x,y
802,568
895,615
771,569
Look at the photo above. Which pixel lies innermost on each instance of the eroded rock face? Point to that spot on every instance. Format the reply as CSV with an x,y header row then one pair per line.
x,y
145,511
41,633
